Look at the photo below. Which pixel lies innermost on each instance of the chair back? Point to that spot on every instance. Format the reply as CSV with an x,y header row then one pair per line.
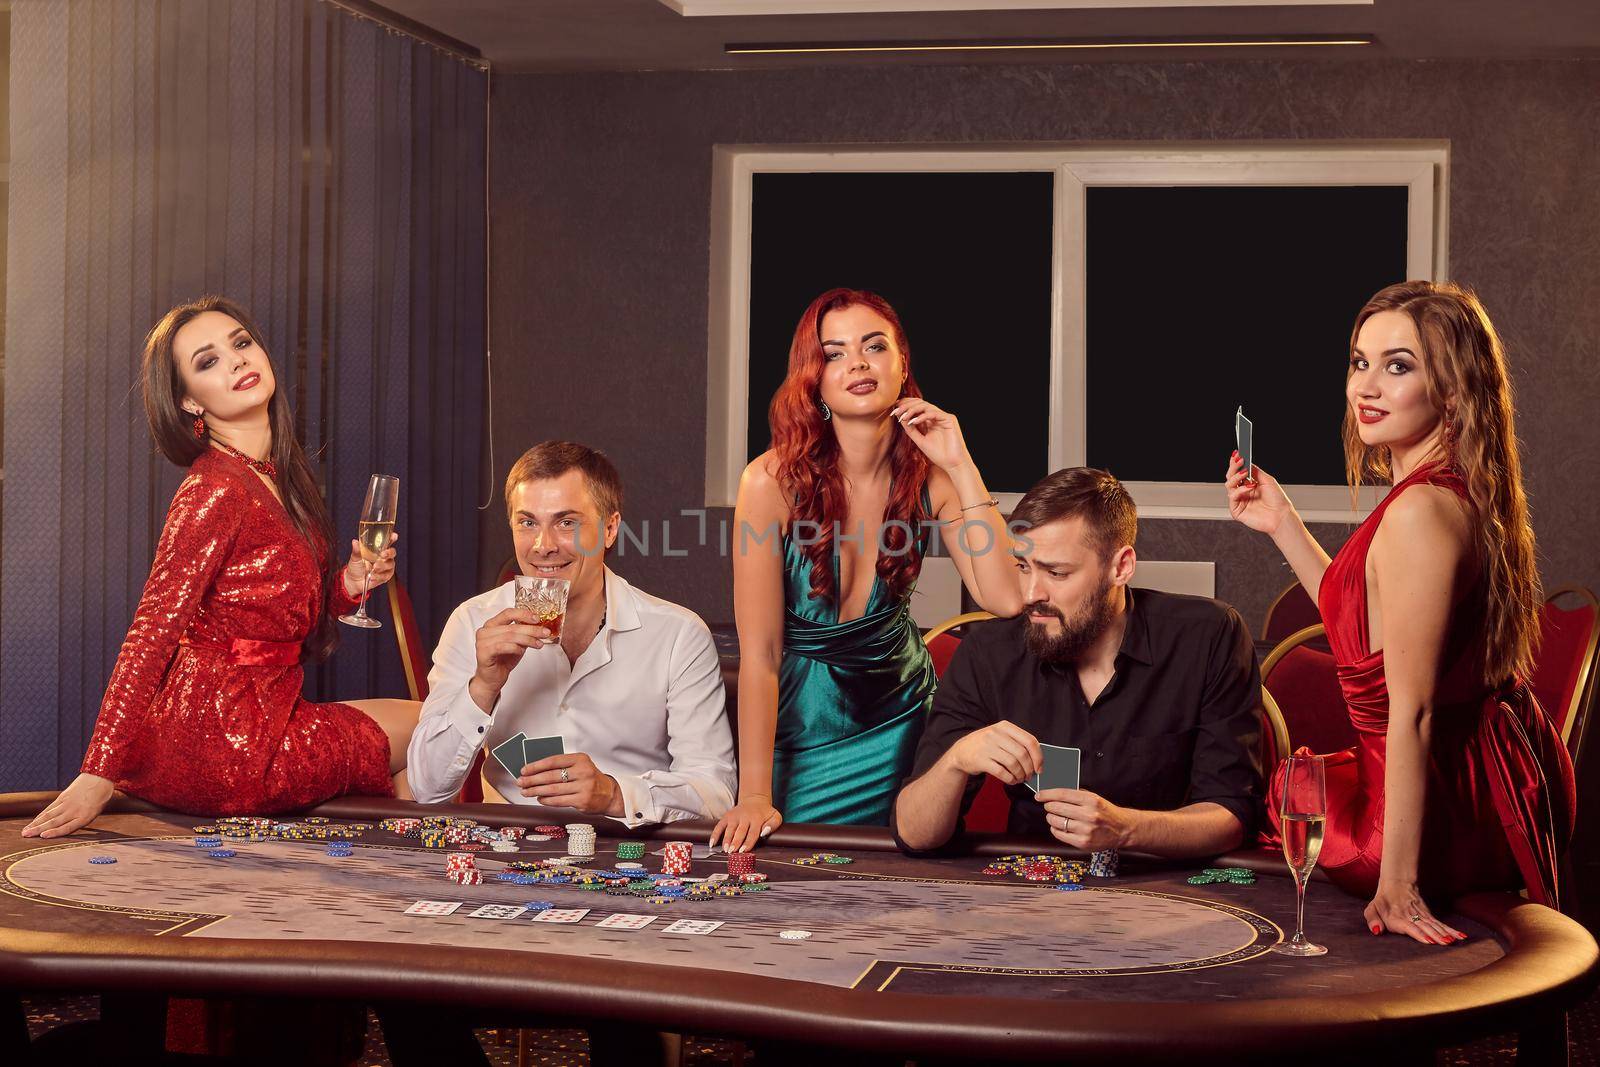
x,y
991,808
1291,612
1304,683
1564,673
413,656
1274,735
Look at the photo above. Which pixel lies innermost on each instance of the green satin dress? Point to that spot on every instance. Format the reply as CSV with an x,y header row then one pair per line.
x,y
852,700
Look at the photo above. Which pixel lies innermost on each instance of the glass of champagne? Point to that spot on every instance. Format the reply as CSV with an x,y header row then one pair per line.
x,y
546,598
1303,812
376,534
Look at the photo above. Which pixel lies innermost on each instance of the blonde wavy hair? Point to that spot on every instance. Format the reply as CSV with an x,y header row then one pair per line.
x,y
1469,384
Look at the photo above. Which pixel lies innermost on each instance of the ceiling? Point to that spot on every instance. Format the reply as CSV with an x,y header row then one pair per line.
x,y
573,35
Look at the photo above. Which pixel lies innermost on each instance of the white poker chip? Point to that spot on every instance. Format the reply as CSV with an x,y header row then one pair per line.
x,y
536,837
795,935
630,866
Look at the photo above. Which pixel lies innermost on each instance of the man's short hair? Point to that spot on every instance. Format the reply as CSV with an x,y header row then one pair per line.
x,y
552,459
1110,519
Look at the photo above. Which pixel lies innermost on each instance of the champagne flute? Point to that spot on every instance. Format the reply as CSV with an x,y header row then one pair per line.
x,y
376,534
1303,812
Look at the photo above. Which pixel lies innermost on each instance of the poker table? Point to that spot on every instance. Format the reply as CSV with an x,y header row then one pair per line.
x,y
927,958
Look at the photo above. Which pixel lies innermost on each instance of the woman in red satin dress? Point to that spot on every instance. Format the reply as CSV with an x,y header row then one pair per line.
x,y
203,711
1458,780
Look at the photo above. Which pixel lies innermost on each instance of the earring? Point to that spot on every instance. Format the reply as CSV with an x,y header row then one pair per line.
x,y
199,427
827,412
1449,433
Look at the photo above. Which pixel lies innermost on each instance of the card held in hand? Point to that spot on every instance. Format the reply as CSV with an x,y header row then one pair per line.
x,y
508,754
1061,767
535,749
1244,440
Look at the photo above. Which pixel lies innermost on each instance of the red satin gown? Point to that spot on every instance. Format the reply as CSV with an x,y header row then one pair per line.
x,y
1500,798
203,711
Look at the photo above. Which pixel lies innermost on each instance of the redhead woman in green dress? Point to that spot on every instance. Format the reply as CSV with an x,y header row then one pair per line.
x,y
831,527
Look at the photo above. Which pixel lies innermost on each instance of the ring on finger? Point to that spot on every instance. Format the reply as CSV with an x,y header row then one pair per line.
x,y
565,777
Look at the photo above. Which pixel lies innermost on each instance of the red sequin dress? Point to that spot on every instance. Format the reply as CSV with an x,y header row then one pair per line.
x,y
1500,799
203,711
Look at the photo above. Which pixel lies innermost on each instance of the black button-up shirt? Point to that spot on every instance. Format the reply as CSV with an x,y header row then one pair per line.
x,y
1179,722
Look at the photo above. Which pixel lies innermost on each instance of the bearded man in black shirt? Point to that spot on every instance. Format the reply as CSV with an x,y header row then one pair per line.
x,y
1160,692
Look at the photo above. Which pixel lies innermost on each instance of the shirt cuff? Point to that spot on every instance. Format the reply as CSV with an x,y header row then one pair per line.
x,y
470,721
637,809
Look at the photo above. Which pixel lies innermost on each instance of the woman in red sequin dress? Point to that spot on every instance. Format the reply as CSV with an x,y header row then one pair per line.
x,y
1458,781
203,711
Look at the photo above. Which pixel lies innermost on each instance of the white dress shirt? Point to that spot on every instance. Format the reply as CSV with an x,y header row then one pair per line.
x,y
645,702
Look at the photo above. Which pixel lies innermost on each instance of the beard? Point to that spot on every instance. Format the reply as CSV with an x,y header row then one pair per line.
x,y
1077,633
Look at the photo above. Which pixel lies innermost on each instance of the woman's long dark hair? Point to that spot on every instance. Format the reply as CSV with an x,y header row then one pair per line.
x,y
172,428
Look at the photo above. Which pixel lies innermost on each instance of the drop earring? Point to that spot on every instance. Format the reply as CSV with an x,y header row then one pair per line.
x,y
827,412
199,427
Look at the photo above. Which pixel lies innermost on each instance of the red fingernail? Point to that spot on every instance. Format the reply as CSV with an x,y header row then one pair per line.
x,y
1375,929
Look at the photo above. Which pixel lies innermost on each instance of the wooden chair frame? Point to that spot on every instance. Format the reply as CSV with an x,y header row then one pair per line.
x,y
952,623
1586,673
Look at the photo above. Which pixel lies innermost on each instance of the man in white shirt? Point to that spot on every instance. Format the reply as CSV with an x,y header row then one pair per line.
x,y
632,684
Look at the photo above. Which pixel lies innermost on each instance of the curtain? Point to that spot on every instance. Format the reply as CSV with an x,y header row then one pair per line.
x,y
325,171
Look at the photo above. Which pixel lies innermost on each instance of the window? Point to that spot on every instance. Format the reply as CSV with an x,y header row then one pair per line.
x,y
1182,281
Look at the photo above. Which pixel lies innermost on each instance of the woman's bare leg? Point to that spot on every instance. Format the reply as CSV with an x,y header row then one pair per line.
x,y
398,719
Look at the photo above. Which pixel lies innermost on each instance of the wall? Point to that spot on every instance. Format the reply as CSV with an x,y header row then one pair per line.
x,y
601,191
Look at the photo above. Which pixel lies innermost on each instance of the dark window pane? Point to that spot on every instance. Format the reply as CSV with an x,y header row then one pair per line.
x,y
964,259
1203,299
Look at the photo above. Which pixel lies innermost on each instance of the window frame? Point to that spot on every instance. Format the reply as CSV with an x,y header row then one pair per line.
x,y
1421,166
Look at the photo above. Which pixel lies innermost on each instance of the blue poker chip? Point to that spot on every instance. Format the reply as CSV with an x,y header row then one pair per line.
x,y
1067,887
222,853
538,905
102,859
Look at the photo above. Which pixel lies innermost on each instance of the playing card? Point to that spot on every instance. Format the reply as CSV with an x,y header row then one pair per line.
x,y
535,749
691,926
496,911
1061,767
433,907
508,754
561,915
626,922
1243,438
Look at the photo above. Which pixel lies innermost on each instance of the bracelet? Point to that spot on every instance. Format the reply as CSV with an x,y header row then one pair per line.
x,y
990,503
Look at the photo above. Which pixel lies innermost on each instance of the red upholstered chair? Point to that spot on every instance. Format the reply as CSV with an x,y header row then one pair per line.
x,y
414,658
991,806
1274,734
1564,675
1290,613
1301,678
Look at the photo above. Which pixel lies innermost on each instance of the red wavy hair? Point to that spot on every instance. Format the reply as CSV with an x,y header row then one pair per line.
x,y
807,452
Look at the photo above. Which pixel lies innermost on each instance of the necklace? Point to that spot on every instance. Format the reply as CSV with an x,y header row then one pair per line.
x,y
263,466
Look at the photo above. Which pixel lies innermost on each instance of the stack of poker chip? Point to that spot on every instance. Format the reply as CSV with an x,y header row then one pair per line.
x,y
1224,875
551,831
580,840
457,834
741,863
676,857
460,868
504,844
630,850
208,841
1103,864
512,833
